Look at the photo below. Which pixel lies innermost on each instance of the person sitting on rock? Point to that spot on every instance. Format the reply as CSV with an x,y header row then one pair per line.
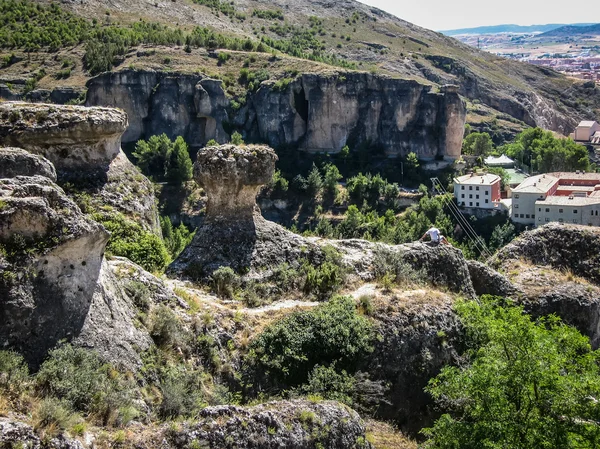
x,y
436,236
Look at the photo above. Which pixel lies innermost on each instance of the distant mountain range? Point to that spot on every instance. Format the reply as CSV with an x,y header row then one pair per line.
x,y
495,29
570,30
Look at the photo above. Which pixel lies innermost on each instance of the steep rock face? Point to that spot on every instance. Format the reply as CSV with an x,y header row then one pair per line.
x,y
565,247
84,144
419,335
17,434
191,106
71,137
314,112
486,281
281,425
54,284
18,162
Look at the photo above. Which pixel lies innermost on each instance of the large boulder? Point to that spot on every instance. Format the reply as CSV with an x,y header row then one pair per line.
x,y
54,283
487,281
18,162
274,425
565,247
71,137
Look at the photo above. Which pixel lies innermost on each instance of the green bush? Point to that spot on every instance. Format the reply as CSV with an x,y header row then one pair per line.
x,y
129,239
326,382
327,278
79,378
139,294
14,372
163,159
165,328
53,413
176,239
181,392
334,332
225,282
236,138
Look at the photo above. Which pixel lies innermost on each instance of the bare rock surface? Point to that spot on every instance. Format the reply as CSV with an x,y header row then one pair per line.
x,y
15,434
283,425
71,137
18,162
54,282
487,281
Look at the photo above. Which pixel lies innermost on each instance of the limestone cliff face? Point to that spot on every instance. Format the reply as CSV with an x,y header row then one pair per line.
x,y
314,112
84,144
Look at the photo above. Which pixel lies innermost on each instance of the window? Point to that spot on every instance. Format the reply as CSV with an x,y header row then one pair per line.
x,y
463,195
487,192
539,209
560,220
547,210
516,206
547,220
539,218
470,187
526,215
516,196
477,204
596,213
522,216
592,212
471,203
477,197
560,211
471,196
574,211
477,188
533,216
487,201
462,187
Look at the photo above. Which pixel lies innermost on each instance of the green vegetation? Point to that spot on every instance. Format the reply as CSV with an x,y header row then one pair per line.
x,y
331,334
268,14
176,239
236,139
541,152
163,159
129,239
477,144
529,384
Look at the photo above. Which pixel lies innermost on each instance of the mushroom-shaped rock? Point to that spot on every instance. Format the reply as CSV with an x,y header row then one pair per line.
x,y
71,137
232,176
18,162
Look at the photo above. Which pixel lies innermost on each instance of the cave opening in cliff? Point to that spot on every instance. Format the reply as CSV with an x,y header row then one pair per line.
x,y
301,104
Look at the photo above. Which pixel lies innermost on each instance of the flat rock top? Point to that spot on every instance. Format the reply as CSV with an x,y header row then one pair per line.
x,y
19,117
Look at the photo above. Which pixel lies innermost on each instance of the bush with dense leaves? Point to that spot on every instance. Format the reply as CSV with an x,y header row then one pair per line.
x,y
163,159
334,332
528,384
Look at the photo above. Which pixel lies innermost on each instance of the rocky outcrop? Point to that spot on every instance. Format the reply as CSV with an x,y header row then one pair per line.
x,y
18,162
54,282
320,113
84,145
17,434
486,281
564,247
71,137
235,234
281,425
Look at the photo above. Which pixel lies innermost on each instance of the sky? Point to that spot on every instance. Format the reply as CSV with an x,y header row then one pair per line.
x,y
448,15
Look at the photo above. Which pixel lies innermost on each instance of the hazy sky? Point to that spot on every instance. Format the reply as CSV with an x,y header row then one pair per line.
x,y
446,15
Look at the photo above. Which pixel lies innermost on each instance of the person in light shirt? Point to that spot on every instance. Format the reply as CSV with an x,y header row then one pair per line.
x,y
436,236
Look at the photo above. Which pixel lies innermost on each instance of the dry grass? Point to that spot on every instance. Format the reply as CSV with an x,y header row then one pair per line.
x,y
384,436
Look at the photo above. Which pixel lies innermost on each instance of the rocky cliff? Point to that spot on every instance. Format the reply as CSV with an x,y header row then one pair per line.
x,y
317,113
84,144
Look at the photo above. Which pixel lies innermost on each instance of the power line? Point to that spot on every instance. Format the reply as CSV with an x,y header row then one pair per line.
x,y
462,221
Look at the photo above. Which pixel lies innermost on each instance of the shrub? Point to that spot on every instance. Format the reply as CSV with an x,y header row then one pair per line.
x,y
165,327
53,414
181,394
236,138
139,294
326,382
225,282
211,143
334,332
163,159
13,372
84,383
129,239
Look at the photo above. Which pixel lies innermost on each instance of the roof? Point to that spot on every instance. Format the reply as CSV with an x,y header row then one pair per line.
x,y
515,176
586,124
473,179
581,176
568,201
502,160
536,184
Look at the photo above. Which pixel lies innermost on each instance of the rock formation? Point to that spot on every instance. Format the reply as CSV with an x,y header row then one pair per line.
x,y
17,162
285,424
84,144
17,434
235,234
54,282
314,112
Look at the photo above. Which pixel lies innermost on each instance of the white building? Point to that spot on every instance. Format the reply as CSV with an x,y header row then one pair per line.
x,y
526,194
569,209
478,191
585,131
501,161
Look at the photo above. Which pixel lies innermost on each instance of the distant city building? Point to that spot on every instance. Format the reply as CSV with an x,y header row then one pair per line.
x,y
586,131
502,161
562,197
478,191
